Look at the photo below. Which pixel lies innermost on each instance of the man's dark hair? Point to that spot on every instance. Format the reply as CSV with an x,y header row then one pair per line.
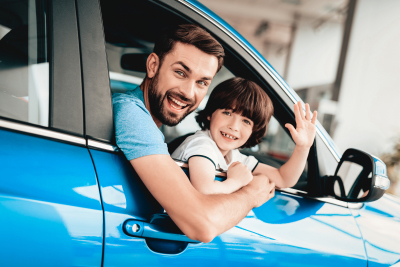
x,y
244,97
188,34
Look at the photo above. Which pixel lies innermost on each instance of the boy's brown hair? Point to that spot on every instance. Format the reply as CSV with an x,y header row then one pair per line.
x,y
244,97
188,34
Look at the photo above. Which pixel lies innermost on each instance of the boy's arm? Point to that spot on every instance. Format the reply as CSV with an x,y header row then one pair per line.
x,y
289,173
303,136
200,217
202,177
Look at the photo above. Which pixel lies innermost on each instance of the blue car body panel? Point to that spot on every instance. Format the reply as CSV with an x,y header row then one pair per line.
x,y
50,207
379,222
286,230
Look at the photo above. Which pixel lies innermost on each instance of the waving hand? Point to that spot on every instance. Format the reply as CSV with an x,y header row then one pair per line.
x,y
304,133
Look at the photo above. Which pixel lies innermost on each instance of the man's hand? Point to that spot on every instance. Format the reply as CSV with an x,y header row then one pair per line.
x,y
239,173
304,133
262,189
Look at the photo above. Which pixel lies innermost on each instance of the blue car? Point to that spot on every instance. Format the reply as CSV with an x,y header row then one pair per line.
x,y
69,197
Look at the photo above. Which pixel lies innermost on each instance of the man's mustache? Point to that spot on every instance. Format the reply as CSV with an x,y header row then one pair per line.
x,y
180,97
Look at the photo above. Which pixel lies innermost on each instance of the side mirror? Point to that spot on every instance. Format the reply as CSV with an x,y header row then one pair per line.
x,y
359,177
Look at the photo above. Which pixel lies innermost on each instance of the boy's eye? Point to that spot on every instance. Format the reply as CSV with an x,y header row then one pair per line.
x,y
226,113
247,122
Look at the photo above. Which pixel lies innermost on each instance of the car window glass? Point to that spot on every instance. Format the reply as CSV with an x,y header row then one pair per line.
x,y
24,68
127,49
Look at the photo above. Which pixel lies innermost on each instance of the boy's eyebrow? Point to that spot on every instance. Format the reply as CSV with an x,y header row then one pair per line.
x,y
190,71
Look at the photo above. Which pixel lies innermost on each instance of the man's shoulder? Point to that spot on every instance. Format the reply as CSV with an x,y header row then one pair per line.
x,y
135,95
130,102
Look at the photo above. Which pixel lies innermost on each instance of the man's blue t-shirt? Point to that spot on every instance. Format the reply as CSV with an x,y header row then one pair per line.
x,y
136,133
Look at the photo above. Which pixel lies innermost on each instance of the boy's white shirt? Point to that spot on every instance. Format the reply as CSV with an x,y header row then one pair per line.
x,y
201,144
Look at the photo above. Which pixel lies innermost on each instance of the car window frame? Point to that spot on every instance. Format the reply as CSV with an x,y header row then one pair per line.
x,y
186,10
65,88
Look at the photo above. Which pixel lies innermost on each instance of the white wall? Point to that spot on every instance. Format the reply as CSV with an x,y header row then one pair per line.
x,y
315,54
369,104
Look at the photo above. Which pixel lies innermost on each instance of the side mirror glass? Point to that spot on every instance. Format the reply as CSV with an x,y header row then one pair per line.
x,y
359,177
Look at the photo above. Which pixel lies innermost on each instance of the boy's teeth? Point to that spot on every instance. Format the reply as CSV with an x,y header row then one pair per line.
x,y
177,102
229,136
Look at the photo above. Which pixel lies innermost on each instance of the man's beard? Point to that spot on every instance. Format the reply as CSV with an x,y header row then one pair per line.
x,y
156,101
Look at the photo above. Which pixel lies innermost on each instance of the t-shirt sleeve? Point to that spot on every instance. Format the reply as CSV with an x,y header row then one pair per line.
x,y
200,147
250,161
136,133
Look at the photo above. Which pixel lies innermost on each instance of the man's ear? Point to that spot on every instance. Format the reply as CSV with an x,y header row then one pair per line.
x,y
152,65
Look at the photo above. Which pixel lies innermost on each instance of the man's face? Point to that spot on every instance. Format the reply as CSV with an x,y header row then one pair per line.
x,y
180,83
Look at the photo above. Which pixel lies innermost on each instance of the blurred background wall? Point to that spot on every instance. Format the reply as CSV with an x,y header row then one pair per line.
x,y
341,56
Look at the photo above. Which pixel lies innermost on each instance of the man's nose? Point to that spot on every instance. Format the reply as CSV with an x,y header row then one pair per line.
x,y
188,89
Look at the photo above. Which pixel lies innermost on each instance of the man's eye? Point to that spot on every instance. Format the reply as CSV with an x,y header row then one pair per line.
x,y
180,73
202,83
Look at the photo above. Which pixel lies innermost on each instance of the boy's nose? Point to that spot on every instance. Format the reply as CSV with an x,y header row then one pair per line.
x,y
234,125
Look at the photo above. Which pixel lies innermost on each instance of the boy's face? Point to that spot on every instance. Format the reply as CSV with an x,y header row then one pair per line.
x,y
229,130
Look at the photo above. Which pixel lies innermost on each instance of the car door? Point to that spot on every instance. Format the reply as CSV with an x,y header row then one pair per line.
x,y
294,228
50,206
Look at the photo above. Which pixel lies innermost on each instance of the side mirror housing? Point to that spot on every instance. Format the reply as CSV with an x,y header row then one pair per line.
x,y
359,177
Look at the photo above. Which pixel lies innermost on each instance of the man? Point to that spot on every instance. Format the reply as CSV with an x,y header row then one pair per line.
x,y
179,72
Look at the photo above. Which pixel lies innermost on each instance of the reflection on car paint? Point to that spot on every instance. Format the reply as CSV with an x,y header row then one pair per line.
x,y
376,221
52,203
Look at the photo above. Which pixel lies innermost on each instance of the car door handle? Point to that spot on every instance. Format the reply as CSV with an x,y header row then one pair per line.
x,y
159,227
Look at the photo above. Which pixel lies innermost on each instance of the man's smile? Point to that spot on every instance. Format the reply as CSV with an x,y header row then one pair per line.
x,y
175,103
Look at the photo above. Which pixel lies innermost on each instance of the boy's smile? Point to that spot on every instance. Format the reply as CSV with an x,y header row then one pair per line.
x,y
229,130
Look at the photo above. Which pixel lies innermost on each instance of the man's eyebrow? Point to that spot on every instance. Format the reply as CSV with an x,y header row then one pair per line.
x,y
184,66
190,71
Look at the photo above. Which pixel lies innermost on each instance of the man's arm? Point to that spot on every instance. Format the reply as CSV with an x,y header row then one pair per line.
x,y
202,177
200,217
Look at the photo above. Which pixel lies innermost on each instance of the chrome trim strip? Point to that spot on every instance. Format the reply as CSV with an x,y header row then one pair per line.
x,y
216,23
293,191
42,132
102,146
355,206
322,199
333,201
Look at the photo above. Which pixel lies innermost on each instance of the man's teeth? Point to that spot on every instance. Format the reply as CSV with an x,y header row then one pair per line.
x,y
182,105
229,136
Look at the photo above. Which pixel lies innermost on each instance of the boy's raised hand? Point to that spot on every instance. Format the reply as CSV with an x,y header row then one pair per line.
x,y
304,133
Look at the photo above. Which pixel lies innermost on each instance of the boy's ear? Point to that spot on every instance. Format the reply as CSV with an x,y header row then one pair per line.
x,y
152,65
208,118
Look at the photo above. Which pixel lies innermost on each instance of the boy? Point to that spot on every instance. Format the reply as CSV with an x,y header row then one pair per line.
x,y
236,116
